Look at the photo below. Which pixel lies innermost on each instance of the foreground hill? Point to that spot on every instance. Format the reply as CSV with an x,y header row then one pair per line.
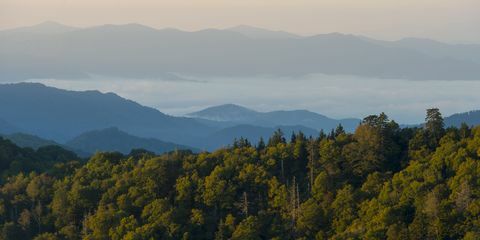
x,y
34,142
112,139
15,159
137,51
381,182
241,115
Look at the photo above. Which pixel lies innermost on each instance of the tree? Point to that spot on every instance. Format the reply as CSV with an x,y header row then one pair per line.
x,y
225,228
11,230
260,144
344,207
46,236
375,147
310,219
248,229
339,130
380,182
434,125
276,138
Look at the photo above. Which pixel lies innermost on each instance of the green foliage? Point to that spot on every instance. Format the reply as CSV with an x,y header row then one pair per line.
x,y
14,159
381,182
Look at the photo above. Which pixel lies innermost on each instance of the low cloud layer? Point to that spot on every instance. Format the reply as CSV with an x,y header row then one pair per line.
x,y
335,96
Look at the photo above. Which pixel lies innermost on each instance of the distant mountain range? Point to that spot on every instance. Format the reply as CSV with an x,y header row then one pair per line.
x,y
86,121
241,115
61,115
260,33
52,50
48,27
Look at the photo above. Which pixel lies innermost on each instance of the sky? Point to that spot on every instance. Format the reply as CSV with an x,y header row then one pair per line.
x,y
446,20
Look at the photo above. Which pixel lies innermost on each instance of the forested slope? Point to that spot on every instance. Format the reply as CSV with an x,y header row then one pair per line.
x,y
381,182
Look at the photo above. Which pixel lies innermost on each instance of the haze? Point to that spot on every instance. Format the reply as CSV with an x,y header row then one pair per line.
x,y
447,20
335,96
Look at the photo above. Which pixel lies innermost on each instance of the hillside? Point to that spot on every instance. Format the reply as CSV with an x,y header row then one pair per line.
x,y
7,128
381,182
113,139
27,140
15,159
60,115
471,118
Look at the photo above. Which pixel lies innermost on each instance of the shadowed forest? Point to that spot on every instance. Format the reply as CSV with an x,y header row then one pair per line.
x,y
380,182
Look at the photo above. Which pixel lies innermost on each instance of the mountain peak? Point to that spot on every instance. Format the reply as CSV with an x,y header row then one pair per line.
x,y
226,107
225,112
47,27
128,27
50,24
242,27
336,36
261,33
232,106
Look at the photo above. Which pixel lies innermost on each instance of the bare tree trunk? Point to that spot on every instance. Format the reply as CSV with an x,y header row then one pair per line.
x,y
245,204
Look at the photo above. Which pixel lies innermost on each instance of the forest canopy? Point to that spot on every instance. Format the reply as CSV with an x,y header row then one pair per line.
x,y
380,182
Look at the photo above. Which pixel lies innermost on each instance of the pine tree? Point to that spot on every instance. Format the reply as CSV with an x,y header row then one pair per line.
x,y
434,125
261,144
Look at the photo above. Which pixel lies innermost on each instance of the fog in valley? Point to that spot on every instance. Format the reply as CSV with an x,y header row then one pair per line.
x,y
335,96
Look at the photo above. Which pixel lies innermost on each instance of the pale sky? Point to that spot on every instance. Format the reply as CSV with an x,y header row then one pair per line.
x,y
447,20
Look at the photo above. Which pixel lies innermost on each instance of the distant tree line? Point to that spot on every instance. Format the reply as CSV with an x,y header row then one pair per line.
x,y
380,182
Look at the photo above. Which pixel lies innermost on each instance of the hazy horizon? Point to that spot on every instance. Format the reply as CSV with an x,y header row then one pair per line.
x,y
450,21
239,26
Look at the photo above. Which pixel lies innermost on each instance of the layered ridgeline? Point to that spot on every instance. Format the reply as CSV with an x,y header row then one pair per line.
x,y
61,115
109,139
380,182
51,50
41,112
